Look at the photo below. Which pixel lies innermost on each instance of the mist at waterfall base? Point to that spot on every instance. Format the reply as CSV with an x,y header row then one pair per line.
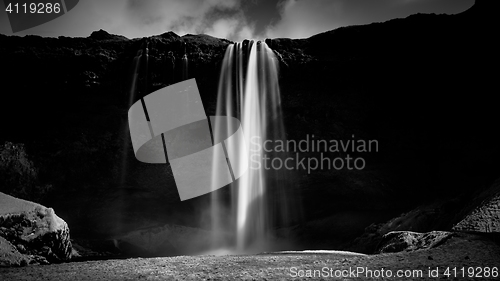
x,y
246,216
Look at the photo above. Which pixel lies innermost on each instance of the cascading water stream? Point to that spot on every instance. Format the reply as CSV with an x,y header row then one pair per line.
x,y
185,65
248,90
251,213
139,70
137,88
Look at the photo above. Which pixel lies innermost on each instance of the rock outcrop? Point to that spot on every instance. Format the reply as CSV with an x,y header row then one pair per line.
x,y
485,217
398,241
478,212
31,233
103,35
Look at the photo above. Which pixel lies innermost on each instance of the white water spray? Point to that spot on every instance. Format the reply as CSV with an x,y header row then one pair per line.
x,y
248,90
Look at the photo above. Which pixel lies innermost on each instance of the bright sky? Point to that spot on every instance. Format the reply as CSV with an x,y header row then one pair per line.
x,y
232,19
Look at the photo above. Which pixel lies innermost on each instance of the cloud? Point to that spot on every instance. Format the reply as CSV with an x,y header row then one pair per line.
x,y
232,19
304,18
224,27
235,28
219,18
247,32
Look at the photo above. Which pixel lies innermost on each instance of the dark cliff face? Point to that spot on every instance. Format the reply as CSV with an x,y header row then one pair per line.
x,y
422,86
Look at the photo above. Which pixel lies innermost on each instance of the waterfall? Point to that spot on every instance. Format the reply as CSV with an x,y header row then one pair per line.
x,y
244,216
248,90
185,65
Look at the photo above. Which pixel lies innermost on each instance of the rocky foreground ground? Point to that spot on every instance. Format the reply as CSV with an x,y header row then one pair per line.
x,y
472,252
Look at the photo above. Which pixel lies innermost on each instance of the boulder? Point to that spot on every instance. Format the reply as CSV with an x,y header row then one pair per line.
x,y
31,232
398,241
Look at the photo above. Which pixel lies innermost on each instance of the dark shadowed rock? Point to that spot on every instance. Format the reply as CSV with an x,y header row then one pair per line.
x,y
104,35
94,249
479,212
34,230
169,35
